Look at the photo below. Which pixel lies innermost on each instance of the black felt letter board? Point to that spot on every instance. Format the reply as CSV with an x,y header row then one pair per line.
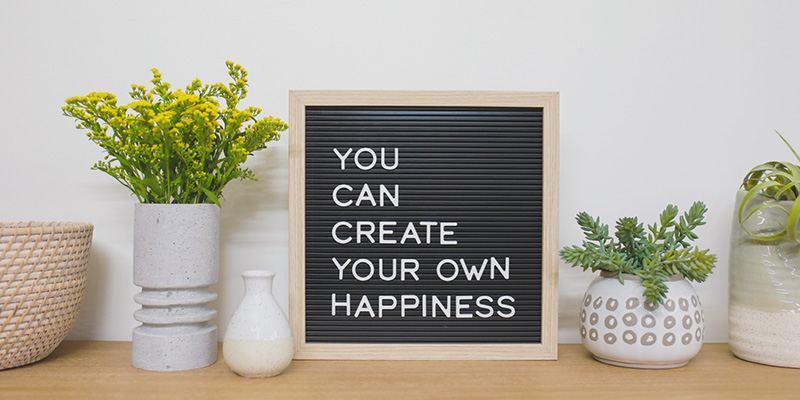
x,y
477,167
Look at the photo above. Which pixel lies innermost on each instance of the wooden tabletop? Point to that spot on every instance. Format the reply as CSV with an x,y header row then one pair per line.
x,y
84,370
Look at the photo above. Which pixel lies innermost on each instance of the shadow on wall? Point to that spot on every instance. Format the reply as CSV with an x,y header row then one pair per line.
x,y
248,208
95,296
572,285
245,200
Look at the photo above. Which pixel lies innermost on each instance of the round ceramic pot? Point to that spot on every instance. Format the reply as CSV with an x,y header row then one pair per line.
x,y
175,260
764,307
620,327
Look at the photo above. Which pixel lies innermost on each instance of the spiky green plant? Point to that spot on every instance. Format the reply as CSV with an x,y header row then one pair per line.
x,y
775,181
662,250
176,146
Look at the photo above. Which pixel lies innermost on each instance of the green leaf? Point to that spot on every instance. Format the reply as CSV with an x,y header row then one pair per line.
x,y
592,227
211,196
653,257
767,184
667,216
788,145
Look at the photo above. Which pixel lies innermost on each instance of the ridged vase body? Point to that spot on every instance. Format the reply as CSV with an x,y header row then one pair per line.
x,y
176,259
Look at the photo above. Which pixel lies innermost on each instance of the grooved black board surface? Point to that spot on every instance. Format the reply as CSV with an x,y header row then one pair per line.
x,y
478,166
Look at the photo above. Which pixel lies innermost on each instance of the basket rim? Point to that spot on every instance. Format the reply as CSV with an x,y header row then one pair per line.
x,y
42,227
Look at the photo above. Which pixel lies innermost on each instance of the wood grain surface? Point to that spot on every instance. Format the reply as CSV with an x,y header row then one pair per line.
x,y
101,370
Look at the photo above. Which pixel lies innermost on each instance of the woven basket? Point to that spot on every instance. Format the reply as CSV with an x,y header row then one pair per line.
x,y
42,277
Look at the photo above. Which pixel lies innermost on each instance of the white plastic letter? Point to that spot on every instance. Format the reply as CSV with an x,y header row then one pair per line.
x,y
511,310
396,159
439,270
444,233
336,197
340,267
372,155
341,156
336,237
335,304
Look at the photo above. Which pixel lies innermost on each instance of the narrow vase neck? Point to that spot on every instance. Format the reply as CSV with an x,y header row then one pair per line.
x,y
257,282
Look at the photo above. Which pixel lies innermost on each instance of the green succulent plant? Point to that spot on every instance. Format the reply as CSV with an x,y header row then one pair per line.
x,y
176,146
775,181
654,254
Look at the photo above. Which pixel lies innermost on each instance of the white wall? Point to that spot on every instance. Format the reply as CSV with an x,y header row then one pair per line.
x,y
661,102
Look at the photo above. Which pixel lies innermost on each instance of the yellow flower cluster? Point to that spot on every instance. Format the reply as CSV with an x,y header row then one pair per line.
x,y
176,146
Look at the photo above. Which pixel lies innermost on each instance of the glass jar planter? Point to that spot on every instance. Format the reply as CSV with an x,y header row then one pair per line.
x,y
764,308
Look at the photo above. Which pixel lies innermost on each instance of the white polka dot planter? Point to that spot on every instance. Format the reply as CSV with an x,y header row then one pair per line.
x,y
620,327
175,260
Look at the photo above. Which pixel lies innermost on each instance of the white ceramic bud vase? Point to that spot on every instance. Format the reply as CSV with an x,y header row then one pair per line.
x,y
258,341
620,327
175,260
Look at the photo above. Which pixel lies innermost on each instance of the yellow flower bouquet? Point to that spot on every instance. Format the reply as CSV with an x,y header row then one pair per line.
x,y
176,146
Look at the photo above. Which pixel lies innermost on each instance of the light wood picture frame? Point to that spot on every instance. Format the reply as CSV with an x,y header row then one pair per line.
x,y
547,348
